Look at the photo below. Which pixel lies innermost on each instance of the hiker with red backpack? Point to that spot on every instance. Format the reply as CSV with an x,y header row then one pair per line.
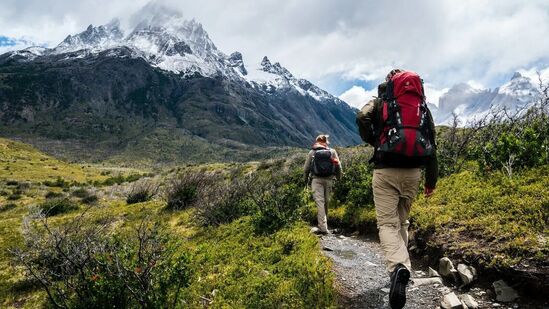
x,y
399,125
322,166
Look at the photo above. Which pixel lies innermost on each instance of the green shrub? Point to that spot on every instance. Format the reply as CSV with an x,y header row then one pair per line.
x,y
59,182
82,266
7,207
14,196
184,190
12,182
90,199
278,205
141,192
80,192
52,194
226,201
57,206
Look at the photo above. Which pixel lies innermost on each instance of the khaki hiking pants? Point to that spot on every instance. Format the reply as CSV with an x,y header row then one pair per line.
x,y
394,192
322,187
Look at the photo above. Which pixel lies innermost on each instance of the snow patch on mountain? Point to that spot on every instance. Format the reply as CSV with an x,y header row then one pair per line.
x,y
471,104
169,42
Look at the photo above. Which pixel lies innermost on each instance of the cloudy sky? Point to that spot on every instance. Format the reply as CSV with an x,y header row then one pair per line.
x,y
346,47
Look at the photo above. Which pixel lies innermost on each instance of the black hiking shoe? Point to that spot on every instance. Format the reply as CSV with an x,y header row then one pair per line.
x,y
399,280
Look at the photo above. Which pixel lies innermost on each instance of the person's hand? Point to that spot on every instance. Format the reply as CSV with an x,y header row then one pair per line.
x,y
429,191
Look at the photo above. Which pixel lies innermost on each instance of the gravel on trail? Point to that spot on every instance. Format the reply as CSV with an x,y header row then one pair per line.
x,y
362,280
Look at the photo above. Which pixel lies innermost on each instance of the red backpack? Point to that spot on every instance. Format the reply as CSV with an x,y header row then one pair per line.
x,y
405,129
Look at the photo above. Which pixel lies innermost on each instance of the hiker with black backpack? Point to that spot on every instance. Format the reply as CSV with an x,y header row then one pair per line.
x,y
399,125
322,166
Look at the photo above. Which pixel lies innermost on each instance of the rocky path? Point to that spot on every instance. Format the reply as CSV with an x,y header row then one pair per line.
x,y
362,281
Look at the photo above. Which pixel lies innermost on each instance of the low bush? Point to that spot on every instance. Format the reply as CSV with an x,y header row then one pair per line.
x,y
85,266
226,201
59,182
118,179
278,205
184,190
90,199
12,182
142,191
57,206
80,192
14,196
7,207
52,194
23,186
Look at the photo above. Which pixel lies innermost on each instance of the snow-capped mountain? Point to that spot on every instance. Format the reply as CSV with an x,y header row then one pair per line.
x,y
122,91
470,103
172,43
93,39
268,76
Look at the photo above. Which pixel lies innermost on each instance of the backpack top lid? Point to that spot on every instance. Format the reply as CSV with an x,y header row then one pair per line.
x,y
405,83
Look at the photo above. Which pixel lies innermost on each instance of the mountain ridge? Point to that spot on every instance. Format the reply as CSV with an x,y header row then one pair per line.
x,y
91,89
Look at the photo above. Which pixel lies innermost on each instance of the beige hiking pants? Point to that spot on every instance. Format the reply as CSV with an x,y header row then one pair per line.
x,y
394,192
322,187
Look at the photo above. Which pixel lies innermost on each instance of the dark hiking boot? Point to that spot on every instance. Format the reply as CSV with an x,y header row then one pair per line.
x,y
399,280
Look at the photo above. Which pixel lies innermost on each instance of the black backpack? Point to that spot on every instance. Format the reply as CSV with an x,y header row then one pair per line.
x,y
323,165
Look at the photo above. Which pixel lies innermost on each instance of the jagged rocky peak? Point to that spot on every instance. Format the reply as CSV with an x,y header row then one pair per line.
x,y
276,68
155,20
516,75
235,61
521,87
99,37
266,63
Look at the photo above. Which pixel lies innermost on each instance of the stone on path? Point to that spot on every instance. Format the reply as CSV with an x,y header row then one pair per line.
x,y
426,281
451,301
467,273
504,293
446,267
433,273
469,301
315,230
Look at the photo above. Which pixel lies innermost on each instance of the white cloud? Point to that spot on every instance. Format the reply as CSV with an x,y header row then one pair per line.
x,y
357,96
533,74
433,94
445,41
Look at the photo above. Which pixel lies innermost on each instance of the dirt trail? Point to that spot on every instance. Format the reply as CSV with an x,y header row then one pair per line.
x,y
362,281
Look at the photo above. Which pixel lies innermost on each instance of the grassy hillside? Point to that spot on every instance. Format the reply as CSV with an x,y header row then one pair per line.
x,y
22,162
232,264
498,220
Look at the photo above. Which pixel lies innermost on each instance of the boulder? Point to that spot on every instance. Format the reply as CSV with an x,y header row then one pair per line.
x,y
446,267
433,273
451,301
315,230
469,301
504,293
426,281
467,273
